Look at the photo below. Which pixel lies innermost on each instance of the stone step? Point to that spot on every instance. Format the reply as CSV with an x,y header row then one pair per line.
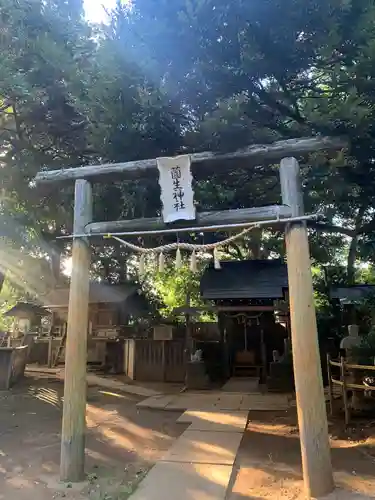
x,y
219,421
182,481
205,447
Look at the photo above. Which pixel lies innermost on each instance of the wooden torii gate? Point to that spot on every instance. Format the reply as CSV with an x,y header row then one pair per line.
x,y
312,418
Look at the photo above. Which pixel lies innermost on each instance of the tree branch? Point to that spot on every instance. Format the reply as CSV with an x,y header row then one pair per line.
x,y
4,107
17,122
367,228
269,100
237,250
352,254
331,228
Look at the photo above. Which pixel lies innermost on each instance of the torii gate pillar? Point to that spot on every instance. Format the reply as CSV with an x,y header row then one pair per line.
x,y
312,415
74,414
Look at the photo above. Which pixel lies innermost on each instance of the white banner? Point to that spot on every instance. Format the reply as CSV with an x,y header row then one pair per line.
x,y
177,194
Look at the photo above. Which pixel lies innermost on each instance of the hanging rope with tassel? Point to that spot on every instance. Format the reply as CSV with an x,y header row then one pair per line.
x,y
178,246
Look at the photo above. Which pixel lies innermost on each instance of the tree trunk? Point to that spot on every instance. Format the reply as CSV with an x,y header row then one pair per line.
x,y
351,260
2,279
255,243
353,247
55,265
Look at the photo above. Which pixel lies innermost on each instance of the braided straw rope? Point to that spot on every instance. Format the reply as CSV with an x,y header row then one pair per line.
x,y
193,248
183,246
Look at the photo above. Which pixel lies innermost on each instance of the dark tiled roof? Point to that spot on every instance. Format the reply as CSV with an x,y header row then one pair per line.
x,y
248,279
126,294
354,293
99,293
27,307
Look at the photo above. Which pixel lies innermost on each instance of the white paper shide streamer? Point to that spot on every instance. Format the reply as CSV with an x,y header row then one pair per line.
x,y
161,262
193,247
216,259
193,262
142,265
178,263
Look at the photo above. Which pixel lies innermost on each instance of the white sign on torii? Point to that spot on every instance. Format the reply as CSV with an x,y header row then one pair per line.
x,y
177,195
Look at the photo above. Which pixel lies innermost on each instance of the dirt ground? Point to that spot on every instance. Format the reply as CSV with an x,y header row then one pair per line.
x,y
268,464
124,442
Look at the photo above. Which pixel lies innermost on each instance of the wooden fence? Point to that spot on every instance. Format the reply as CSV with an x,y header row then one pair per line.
x,y
154,360
344,383
12,365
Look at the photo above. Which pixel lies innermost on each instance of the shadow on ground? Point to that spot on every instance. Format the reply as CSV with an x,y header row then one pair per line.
x,y
122,442
268,464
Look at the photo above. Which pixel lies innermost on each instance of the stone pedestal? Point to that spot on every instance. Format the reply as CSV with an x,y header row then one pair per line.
x,y
196,377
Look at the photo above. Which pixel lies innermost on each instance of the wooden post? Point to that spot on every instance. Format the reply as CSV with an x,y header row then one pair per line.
x,y
312,417
163,361
330,384
188,343
344,390
74,414
49,357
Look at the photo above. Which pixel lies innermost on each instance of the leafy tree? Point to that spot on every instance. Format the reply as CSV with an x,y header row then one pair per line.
x,y
8,298
177,287
168,77
69,97
248,71
45,51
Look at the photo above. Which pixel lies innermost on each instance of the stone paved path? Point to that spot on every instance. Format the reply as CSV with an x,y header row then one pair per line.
x,y
199,464
213,402
241,384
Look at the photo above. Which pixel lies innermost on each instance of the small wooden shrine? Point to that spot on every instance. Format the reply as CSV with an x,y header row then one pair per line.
x,y
251,301
348,299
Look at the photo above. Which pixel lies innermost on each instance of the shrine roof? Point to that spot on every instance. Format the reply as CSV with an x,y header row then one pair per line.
x,y
99,293
26,308
248,279
351,294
